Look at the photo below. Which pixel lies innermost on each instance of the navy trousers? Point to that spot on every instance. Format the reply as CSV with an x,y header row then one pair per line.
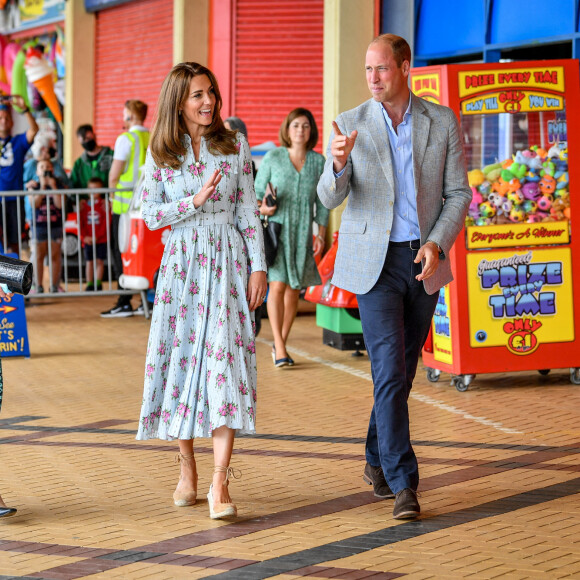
x,y
396,315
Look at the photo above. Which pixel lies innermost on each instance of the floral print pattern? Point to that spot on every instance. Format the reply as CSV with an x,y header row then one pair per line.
x,y
200,369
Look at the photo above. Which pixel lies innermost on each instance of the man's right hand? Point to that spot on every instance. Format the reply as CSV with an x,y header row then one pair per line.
x,y
340,147
208,189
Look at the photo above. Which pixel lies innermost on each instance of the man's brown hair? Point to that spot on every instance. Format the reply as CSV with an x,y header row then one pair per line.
x,y
399,46
137,108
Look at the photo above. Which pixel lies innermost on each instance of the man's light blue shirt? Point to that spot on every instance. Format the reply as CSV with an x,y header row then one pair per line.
x,y
405,221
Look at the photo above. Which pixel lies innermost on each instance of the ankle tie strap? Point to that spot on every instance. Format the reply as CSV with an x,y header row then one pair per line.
x,y
181,457
229,471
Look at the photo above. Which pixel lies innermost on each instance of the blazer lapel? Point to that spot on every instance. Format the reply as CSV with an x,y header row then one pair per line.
x,y
378,132
421,127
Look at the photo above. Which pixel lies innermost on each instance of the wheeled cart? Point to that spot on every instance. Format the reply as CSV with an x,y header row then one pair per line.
x,y
513,303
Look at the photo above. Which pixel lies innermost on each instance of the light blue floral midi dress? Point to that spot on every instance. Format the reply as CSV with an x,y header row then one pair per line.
x,y
200,370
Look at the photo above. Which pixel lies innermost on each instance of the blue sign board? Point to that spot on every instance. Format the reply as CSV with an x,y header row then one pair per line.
x,y
13,327
95,5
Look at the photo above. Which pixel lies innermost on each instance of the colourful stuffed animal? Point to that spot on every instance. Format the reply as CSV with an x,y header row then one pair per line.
x,y
475,177
485,187
518,169
547,185
516,197
530,206
486,210
557,209
495,199
531,190
534,218
562,181
548,168
517,214
503,187
492,172
545,202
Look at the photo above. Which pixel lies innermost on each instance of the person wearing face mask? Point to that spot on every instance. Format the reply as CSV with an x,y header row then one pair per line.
x,y
95,162
129,156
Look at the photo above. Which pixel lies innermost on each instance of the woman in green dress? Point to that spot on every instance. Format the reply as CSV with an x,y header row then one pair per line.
x,y
5,511
293,170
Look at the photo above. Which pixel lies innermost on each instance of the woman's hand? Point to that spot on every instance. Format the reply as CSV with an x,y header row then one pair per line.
x,y
257,288
318,245
207,190
265,209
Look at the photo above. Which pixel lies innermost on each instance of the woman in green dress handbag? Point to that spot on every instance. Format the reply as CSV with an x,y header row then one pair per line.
x,y
293,170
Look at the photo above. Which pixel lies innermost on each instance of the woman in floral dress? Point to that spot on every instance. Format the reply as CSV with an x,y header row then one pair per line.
x,y
293,170
200,375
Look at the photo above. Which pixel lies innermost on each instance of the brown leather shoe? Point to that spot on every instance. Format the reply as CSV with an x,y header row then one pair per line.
x,y
406,505
374,476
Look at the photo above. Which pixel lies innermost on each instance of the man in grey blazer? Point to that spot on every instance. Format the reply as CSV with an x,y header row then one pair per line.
x,y
399,161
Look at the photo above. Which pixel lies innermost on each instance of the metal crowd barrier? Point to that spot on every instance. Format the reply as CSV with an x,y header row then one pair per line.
x,y
71,243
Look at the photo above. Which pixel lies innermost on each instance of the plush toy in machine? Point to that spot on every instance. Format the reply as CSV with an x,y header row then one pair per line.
x,y
545,202
475,177
517,214
487,210
531,190
557,211
522,188
547,185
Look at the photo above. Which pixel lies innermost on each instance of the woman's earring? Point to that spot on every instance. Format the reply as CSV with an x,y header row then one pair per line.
x,y
179,112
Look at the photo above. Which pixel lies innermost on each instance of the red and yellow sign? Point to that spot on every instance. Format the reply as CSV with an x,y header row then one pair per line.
x,y
523,234
520,300
517,90
427,86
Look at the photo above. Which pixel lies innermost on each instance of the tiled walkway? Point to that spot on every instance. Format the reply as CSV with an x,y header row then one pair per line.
x,y
499,465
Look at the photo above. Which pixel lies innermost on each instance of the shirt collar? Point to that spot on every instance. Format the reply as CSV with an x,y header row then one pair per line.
x,y
405,116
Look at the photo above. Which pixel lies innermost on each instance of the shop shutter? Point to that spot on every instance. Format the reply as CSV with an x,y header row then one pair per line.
x,y
134,53
278,63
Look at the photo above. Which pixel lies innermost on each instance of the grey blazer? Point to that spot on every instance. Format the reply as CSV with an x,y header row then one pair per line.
x,y
441,188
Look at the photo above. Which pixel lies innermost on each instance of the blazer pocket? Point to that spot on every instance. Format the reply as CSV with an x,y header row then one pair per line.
x,y
351,227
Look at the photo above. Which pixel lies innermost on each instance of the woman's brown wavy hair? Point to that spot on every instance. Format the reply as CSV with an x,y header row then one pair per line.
x,y
166,142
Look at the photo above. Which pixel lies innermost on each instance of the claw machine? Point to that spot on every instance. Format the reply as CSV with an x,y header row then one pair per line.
x,y
514,304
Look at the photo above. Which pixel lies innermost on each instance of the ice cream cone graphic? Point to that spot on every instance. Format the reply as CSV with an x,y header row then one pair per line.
x,y
40,74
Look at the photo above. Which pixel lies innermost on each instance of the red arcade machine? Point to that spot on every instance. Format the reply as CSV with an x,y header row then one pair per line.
x,y
513,305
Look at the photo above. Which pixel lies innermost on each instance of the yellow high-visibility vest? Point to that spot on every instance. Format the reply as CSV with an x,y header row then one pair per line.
x,y
130,177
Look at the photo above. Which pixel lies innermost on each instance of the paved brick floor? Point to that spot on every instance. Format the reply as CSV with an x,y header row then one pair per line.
x,y
499,465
